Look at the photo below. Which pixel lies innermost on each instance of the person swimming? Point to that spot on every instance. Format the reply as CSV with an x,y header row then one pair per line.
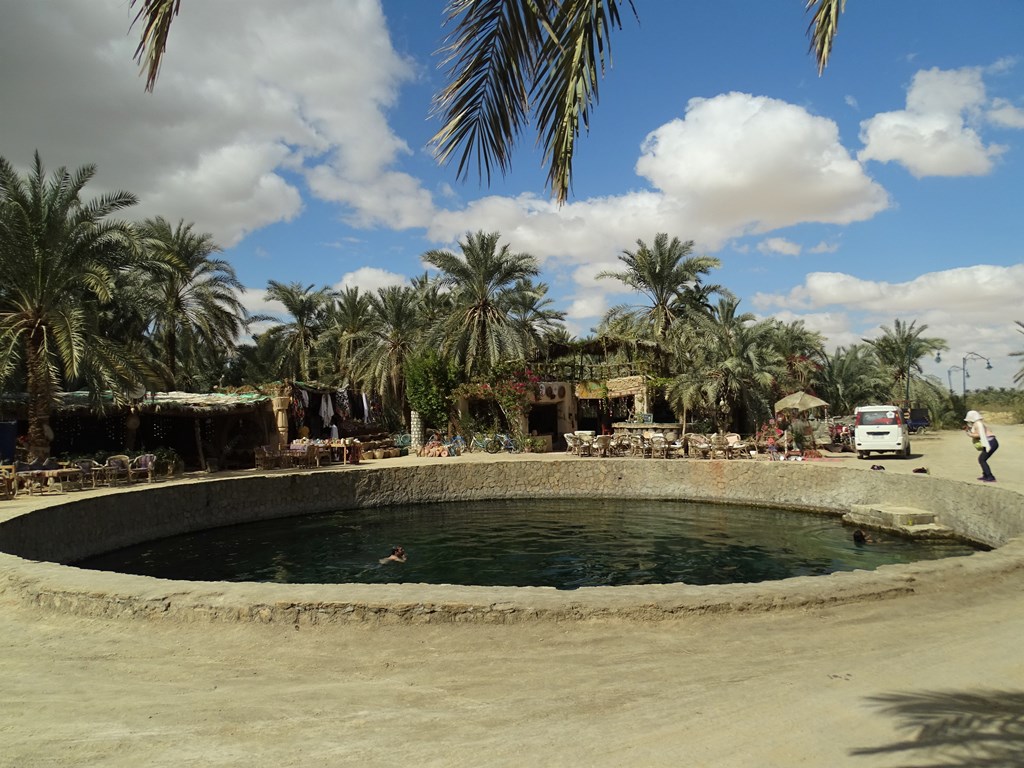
x,y
397,556
860,538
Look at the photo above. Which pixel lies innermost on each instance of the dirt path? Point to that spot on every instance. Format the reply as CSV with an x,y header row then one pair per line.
x,y
784,689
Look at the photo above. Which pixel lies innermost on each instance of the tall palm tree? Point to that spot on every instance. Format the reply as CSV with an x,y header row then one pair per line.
x,y
308,309
511,64
483,281
532,312
59,256
900,349
392,334
733,368
800,347
345,318
668,277
849,377
194,299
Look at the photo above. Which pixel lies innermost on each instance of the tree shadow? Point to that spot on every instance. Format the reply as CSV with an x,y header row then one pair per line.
x,y
983,729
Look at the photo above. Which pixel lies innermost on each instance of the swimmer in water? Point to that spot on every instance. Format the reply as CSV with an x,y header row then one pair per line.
x,y
397,556
860,538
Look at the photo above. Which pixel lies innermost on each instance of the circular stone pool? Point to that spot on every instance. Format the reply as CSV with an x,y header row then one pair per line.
x,y
561,543
37,542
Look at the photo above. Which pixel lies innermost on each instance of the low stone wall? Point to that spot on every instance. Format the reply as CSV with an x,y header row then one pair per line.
x,y
64,533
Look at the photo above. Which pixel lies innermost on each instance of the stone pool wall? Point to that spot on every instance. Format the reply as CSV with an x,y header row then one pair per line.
x,y
66,532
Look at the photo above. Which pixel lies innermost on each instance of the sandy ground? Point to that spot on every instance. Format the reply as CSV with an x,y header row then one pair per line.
x,y
779,689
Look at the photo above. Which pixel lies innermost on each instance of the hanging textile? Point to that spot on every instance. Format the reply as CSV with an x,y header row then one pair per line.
x,y
366,409
326,409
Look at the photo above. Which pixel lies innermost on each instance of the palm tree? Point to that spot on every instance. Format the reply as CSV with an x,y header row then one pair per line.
x,y
532,312
511,64
899,350
194,299
59,257
308,309
391,335
668,277
483,282
345,319
1019,376
733,366
800,348
850,377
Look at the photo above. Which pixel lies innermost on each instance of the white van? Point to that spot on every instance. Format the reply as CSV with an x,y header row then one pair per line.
x,y
880,429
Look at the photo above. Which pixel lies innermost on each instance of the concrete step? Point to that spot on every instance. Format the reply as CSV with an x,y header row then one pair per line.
x,y
907,520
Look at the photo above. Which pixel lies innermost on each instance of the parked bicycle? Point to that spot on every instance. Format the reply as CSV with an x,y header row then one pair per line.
x,y
502,442
456,445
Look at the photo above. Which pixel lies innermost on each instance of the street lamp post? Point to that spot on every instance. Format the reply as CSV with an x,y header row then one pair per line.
x,y
949,375
966,375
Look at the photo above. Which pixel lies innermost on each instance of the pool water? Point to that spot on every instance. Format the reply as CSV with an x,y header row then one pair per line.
x,y
565,543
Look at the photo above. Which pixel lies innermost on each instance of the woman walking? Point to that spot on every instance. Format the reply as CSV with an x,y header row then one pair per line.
x,y
985,441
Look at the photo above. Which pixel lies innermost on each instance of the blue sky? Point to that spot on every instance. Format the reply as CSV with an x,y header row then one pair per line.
x,y
297,133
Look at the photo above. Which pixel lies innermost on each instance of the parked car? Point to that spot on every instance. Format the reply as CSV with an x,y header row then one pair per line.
x,y
880,429
919,420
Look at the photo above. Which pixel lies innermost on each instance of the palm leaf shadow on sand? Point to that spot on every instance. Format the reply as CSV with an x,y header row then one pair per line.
x,y
982,729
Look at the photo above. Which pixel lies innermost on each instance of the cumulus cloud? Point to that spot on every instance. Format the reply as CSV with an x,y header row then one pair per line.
x,y
972,308
779,245
824,247
936,134
1005,115
369,279
238,115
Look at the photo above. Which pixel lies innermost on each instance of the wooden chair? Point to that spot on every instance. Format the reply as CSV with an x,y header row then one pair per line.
x,y
117,468
93,472
659,447
8,482
602,446
266,457
699,445
737,447
142,466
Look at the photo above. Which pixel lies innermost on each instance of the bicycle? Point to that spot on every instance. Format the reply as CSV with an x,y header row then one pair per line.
x,y
456,446
501,442
478,443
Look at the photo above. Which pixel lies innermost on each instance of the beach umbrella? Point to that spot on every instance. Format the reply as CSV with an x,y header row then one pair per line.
x,y
799,401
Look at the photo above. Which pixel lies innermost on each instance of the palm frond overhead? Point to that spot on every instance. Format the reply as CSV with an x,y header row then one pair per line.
x,y
823,28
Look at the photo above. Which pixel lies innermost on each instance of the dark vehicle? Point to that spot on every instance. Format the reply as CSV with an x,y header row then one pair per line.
x,y
918,421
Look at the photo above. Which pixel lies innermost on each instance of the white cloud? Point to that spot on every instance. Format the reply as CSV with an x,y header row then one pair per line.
x,y
1005,115
824,247
369,279
779,245
748,163
935,134
972,308
248,97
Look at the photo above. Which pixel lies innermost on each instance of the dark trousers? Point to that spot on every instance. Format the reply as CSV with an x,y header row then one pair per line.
x,y
983,457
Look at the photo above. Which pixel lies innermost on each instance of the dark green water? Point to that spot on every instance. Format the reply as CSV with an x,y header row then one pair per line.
x,y
557,543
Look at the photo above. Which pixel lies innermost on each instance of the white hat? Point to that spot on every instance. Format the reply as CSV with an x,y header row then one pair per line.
x,y
972,416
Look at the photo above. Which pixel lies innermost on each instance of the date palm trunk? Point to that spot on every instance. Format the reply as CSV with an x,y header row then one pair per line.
x,y
40,400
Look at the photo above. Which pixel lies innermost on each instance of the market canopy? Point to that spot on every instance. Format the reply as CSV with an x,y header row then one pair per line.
x,y
799,401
